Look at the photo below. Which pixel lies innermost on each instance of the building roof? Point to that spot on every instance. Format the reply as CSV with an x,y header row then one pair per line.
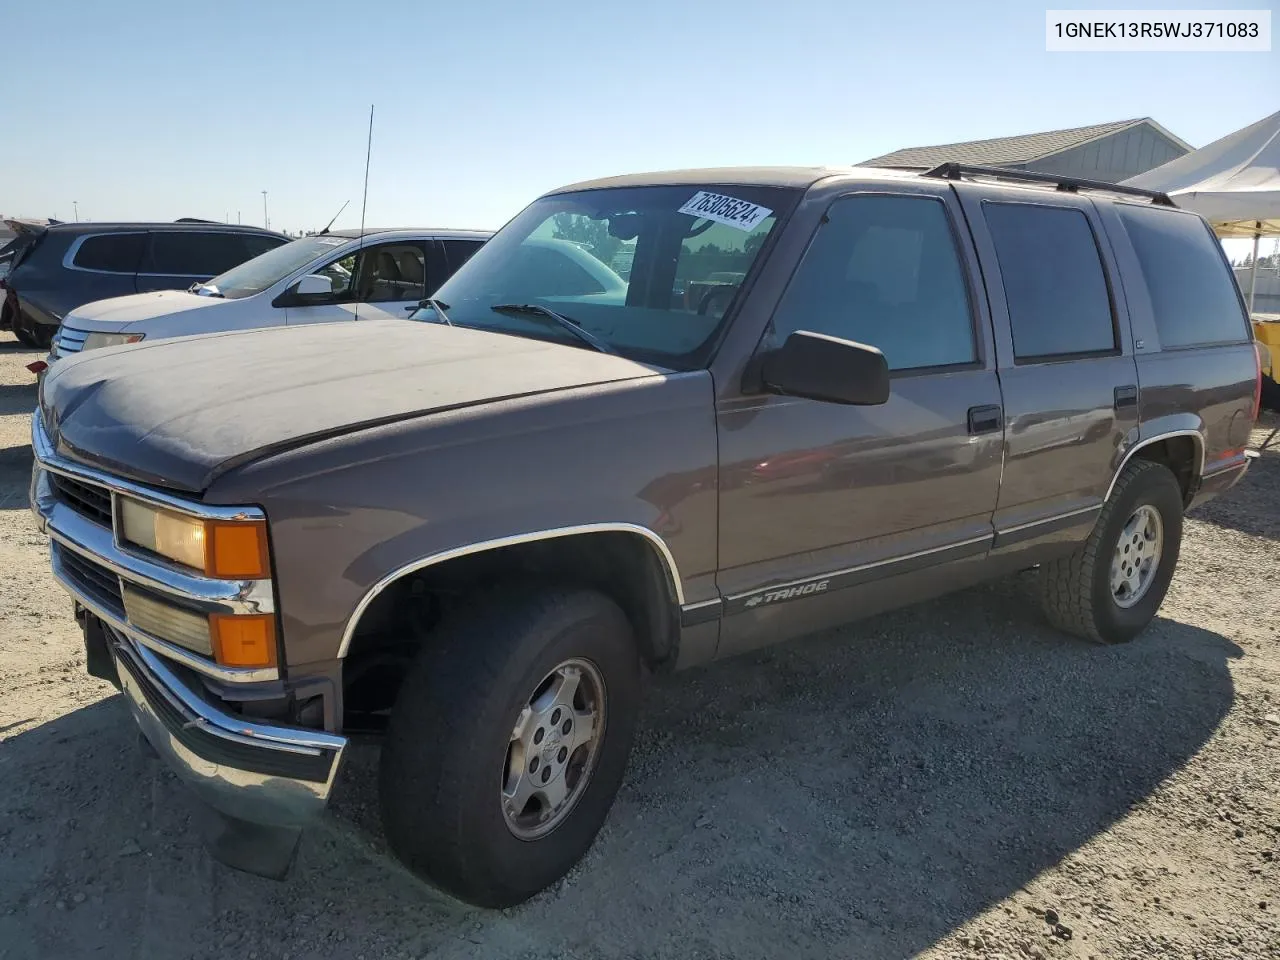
x,y
1006,150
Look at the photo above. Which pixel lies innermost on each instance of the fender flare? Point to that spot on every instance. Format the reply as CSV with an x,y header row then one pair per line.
x,y
1148,441
664,555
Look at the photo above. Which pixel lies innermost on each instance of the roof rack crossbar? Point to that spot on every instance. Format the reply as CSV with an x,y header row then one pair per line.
x,y
957,171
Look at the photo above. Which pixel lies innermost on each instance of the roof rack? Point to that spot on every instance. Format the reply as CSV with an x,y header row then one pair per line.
x,y
957,171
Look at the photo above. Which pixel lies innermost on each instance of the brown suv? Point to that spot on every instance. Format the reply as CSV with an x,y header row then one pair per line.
x,y
655,421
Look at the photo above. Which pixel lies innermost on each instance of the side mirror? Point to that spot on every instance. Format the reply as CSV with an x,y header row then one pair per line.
x,y
314,284
819,367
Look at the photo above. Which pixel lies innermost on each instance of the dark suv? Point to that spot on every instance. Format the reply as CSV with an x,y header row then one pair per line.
x,y
55,268
818,394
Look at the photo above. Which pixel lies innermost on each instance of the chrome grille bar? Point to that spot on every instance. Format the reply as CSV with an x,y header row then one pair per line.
x,y
68,341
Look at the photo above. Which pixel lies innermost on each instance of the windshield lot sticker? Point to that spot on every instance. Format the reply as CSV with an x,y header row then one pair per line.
x,y
734,213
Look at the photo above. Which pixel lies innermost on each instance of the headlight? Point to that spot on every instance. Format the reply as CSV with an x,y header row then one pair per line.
x,y
227,549
95,340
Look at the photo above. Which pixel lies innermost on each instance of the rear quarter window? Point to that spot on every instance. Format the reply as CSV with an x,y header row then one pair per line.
x,y
110,252
188,253
255,244
1193,294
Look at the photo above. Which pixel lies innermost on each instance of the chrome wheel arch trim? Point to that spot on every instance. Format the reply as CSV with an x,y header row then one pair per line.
x,y
555,533
1148,441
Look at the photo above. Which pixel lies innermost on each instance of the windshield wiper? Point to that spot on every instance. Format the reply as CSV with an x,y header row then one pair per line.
x,y
437,306
538,310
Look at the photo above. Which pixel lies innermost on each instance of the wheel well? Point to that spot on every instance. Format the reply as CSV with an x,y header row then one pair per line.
x,y
1181,455
623,566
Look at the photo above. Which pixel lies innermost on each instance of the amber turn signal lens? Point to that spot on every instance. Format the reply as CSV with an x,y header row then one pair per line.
x,y
243,640
236,550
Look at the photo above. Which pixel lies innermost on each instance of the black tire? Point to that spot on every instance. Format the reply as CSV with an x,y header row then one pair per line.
x,y
42,335
441,773
1270,394
1076,589
21,328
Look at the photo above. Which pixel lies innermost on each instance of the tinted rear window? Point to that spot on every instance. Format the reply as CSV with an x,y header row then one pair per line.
x,y
255,244
113,252
459,252
1192,292
192,254
1053,280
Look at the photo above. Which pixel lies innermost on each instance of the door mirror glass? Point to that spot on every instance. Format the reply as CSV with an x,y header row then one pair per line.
x,y
821,367
314,285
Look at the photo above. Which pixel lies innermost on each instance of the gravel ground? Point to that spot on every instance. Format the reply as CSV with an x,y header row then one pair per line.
x,y
953,780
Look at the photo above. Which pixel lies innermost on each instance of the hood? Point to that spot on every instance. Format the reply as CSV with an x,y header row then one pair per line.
x,y
115,313
179,412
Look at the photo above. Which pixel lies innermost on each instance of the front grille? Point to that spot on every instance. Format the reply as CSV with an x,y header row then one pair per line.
x,y
95,581
87,499
68,342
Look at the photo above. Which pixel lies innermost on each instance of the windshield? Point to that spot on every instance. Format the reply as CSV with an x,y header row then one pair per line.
x,y
254,276
649,271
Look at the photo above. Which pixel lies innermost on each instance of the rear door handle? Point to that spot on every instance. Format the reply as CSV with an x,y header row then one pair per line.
x,y
985,419
1126,396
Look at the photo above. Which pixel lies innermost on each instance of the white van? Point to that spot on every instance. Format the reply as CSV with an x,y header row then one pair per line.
x,y
342,275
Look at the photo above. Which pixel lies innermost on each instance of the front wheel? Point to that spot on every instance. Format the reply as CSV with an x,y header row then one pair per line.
x,y
1110,588
508,742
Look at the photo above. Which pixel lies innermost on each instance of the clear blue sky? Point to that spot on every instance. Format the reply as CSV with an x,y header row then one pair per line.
x,y
143,109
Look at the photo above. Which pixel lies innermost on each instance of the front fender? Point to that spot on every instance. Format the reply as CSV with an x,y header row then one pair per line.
x,y
349,516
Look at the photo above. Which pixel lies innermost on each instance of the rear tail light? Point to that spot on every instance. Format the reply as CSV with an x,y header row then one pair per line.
x,y
38,366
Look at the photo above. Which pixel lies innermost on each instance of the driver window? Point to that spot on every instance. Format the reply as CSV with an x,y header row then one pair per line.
x,y
883,270
392,272
340,273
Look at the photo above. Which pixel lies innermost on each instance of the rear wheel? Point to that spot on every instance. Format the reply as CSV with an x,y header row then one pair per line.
x,y
508,742
1110,588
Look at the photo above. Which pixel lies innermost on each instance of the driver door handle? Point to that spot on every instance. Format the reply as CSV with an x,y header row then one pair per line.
x,y
985,419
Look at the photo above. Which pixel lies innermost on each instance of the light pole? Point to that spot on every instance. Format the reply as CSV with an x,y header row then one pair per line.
x,y
266,221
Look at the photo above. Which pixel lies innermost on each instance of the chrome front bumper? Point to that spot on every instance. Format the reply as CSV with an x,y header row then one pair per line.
x,y
273,776
259,773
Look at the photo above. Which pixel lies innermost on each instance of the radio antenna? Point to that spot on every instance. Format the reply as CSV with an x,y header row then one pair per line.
x,y
335,217
367,152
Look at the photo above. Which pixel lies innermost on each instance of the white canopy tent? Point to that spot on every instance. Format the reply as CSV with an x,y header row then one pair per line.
x,y
1234,183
